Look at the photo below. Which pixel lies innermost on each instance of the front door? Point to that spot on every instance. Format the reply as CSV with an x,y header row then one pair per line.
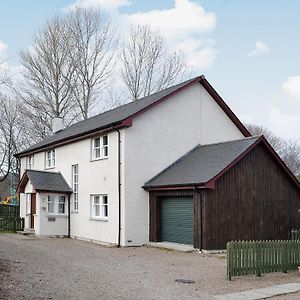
x,y
32,210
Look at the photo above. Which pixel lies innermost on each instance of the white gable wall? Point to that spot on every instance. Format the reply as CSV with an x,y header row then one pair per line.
x,y
160,136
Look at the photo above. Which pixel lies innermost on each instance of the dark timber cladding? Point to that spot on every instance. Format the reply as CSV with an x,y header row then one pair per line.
x,y
255,198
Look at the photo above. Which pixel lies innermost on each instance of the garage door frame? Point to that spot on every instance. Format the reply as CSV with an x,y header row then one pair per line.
x,y
155,213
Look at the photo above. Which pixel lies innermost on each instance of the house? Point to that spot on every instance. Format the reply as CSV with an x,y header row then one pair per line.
x,y
175,166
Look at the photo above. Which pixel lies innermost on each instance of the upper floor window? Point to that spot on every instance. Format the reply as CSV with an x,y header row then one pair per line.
x,y
75,186
100,147
99,206
50,159
30,162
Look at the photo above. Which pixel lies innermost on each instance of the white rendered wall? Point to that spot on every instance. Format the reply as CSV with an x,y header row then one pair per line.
x,y
95,177
159,137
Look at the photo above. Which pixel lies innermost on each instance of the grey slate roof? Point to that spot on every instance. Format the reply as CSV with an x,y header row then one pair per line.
x,y
202,163
106,119
48,181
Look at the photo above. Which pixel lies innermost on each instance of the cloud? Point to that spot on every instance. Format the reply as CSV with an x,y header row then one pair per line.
x,y
260,49
285,125
183,20
292,86
109,5
199,54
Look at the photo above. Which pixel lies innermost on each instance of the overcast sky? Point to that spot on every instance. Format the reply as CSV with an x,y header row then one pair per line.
x,y
248,50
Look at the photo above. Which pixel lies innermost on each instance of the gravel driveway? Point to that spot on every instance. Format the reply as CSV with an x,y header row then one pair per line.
x,y
39,268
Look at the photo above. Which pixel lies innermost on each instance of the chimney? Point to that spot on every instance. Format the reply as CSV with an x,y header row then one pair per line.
x,y
57,124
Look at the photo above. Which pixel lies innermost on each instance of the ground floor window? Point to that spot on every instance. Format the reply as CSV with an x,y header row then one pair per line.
x,y
99,206
56,204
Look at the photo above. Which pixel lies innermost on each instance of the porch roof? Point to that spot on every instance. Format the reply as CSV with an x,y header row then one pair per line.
x,y
43,181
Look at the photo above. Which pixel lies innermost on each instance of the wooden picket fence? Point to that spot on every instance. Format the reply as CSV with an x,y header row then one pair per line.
x,y
257,257
11,224
9,210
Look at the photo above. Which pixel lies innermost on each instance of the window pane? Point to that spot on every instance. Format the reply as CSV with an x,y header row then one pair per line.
x,y
105,211
104,199
97,153
105,151
96,142
105,140
61,208
62,199
96,200
51,207
97,210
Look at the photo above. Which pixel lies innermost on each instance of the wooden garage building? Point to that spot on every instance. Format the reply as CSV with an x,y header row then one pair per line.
x,y
237,190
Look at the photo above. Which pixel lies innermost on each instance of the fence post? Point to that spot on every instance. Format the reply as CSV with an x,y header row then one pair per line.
x,y
229,260
258,259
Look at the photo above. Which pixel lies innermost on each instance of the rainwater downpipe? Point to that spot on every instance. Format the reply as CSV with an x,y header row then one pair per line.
x,y
119,186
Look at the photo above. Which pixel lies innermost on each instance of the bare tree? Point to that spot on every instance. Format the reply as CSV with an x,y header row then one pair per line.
x,y
11,130
275,141
49,75
93,42
4,77
148,64
288,150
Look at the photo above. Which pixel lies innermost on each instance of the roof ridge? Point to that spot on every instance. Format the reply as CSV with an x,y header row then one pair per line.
x,y
232,141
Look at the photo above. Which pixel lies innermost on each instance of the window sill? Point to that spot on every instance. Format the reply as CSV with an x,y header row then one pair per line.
x,y
56,216
99,219
50,168
74,212
97,159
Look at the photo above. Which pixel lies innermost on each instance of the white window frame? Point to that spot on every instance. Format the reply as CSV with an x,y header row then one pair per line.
x,y
100,151
57,203
102,212
75,174
50,159
30,162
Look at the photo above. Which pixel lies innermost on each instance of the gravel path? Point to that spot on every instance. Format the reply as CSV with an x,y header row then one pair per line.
x,y
38,268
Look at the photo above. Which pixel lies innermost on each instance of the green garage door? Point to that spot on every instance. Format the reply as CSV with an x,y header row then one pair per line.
x,y
178,220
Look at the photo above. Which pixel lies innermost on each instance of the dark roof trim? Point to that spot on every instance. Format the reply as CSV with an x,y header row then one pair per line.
x,y
22,183
189,186
211,183
125,123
